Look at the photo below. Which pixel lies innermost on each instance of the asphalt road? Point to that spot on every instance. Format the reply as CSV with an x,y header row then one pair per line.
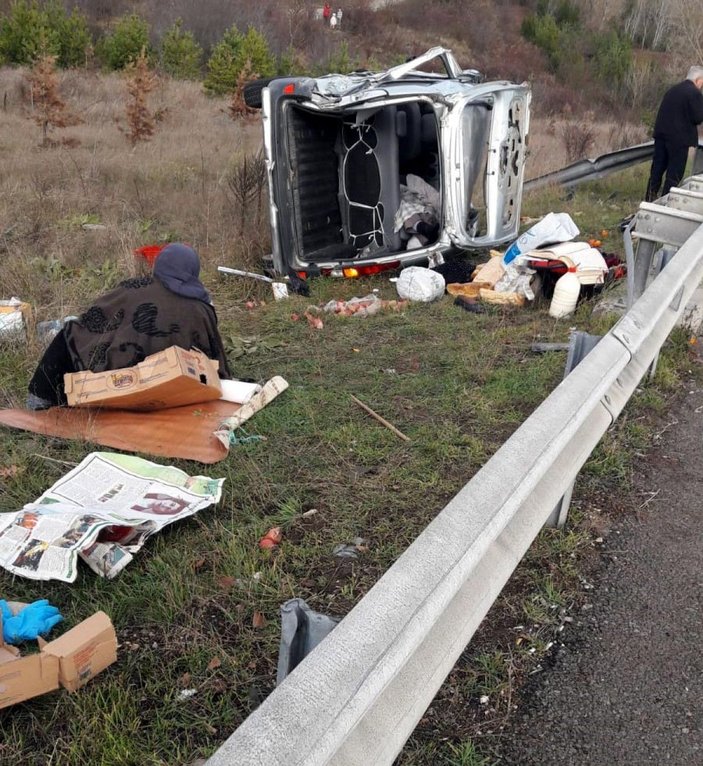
x,y
627,687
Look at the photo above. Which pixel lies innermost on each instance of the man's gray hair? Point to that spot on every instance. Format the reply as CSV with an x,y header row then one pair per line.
x,y
695,73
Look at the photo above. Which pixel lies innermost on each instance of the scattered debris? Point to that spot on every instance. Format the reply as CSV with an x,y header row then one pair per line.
x,y
149,252
280,290
310,513
544,348
350,550
302,630
15,317
103,510
554,227
362,307
258,621
416,283
271,539
70,661
490,272
26,622
468,289
503,299
314,321
185,694
380,419
469,304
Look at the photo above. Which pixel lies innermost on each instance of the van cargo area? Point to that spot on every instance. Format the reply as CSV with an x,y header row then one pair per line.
x,y
348,171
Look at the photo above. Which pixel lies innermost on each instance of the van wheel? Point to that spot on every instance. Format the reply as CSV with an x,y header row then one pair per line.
x,y
252,92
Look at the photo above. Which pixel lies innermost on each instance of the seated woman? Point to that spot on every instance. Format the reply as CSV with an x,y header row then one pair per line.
x,y
140,317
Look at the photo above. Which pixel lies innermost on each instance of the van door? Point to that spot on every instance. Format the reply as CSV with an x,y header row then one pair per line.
x,y
486,149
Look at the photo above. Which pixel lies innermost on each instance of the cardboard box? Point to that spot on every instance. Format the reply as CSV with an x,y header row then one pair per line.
x,y
15,318
171,378
71,661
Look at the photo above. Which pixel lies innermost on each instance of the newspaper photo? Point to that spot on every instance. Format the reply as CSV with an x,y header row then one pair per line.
x,y
102,511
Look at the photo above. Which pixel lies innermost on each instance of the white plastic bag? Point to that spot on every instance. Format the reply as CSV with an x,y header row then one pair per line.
x,y
554,227
417,283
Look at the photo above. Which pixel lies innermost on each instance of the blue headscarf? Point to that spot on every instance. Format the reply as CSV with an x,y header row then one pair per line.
x,y
177,267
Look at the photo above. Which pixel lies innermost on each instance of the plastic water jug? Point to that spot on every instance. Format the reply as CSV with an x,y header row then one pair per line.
x,y
566,295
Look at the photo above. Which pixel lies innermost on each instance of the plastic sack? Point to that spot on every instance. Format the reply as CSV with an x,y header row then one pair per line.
x,y
554,227
516,280
417,283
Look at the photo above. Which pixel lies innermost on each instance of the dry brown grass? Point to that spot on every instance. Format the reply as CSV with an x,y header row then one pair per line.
x,y
548,148
173,187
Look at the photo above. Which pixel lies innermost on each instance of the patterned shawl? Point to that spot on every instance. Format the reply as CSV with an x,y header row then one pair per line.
x,y
139,318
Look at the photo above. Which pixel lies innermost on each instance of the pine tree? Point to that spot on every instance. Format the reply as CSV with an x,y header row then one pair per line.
x,y
223,65
141,121
180,53
49,110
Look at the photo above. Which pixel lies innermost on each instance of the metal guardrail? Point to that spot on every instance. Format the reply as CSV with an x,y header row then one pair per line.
x,y
600,167
358,696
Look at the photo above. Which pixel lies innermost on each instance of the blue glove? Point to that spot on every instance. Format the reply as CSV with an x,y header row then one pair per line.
x,y
34,620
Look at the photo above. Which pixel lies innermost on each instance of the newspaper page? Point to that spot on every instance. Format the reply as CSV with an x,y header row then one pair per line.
x,y
103,511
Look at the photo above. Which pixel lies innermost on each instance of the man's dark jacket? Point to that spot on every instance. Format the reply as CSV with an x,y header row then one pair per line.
x,y
680,112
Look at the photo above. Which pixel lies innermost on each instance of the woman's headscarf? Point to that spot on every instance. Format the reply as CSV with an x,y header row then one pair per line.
x,y
177,267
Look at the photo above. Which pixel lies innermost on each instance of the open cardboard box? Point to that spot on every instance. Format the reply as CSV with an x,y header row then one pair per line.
x,y
70,661
171,378
15,318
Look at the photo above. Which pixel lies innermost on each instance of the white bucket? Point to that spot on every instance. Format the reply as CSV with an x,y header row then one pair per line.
x,y
566,295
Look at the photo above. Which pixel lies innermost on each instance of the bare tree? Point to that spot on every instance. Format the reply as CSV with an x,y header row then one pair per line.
x,y
687,28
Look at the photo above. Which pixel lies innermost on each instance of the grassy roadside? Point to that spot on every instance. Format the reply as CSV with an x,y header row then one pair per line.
x,y
189,609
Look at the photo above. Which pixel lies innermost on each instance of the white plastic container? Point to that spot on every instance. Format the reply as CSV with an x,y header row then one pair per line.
x,y
566,295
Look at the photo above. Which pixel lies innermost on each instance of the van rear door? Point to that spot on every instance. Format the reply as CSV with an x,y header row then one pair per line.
x,y
486,151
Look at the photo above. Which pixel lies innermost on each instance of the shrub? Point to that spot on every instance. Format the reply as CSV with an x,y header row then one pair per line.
x,y
255,52
74,39
30,30
180,53
222,65
543,31
24,33
613,58
578,138
125,43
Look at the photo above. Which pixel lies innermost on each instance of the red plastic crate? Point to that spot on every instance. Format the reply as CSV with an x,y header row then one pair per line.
x,y
149,252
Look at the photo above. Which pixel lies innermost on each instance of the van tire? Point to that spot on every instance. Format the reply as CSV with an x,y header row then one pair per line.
x,y
252,92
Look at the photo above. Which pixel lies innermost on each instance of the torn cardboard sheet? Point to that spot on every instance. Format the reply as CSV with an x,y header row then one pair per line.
x,y
194,432
103,510
277,385
71,661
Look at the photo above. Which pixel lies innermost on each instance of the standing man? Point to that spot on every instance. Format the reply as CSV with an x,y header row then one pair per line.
x,y
675,130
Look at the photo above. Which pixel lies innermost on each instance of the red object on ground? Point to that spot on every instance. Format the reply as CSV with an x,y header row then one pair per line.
x,y
149,252
272,538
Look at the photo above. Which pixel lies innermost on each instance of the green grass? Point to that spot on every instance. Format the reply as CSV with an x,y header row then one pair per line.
x,y
457,384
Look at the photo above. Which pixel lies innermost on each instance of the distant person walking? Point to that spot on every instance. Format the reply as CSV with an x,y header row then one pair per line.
x,y
326,12
675,130
339,17
333,21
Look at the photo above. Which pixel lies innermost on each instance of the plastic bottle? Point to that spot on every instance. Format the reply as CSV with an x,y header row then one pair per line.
x,y
566,295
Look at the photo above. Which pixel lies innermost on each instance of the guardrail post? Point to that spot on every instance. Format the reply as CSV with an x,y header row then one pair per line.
x,y
697,161
643,263
580,344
